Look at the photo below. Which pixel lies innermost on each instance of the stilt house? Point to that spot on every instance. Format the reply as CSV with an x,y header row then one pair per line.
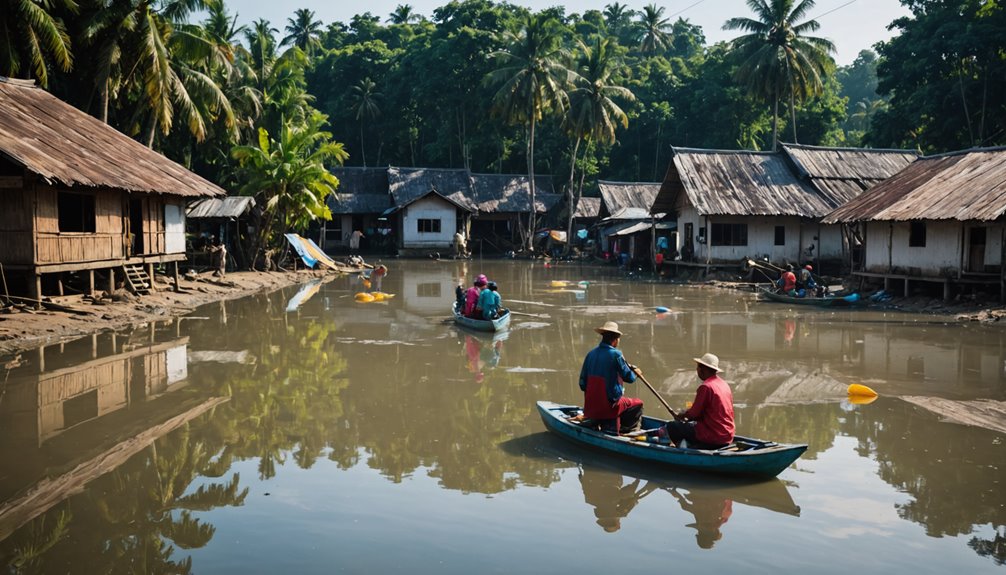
x,y
625,225
79,197
430,205
359,204
504,207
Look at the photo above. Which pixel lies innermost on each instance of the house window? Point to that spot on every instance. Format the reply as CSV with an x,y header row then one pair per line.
x,y
333,231
730,235
76,212
780,235
917,234
427,226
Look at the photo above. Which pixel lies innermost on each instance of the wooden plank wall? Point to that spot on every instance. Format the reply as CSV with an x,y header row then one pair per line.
x,y
154,241
54,247
16,210
111,379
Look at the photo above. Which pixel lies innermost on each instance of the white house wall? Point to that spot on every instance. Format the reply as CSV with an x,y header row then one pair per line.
x,y
429,208
761,237
941,253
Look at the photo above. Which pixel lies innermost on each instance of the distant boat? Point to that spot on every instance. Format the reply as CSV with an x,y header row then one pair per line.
x,y
498,324
744,456
836,300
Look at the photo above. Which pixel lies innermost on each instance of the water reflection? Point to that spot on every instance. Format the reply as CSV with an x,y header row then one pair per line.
x,y
340,387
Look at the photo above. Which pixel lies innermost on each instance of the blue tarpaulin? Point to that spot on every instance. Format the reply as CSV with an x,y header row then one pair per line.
x,y
309,252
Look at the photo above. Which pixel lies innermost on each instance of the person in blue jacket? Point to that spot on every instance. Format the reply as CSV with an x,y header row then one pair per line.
x,y
489,301
601,377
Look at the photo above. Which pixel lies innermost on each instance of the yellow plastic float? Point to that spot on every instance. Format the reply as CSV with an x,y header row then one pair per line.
x,y
364,297
860,390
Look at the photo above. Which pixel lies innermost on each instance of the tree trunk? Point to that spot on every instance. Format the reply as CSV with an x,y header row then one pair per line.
x,y
571,199
363,152
775,121
530,174
792,115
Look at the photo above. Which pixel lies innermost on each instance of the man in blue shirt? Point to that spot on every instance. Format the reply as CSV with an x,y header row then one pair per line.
x,y
489,301
601,377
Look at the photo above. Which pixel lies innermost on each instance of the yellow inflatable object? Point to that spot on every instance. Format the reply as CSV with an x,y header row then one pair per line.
x,y
378,296
857,389
559,283
862,399
364,297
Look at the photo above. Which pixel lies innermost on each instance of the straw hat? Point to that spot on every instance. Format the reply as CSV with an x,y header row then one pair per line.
x,y
709,360
609,326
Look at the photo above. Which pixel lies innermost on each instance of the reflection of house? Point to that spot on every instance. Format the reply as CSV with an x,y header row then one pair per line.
x,y
79,196
430,205
428,290
358,205
938,220
223,218
732,205
504,204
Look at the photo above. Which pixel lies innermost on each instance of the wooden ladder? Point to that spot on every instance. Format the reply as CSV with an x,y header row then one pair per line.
x,y
137,279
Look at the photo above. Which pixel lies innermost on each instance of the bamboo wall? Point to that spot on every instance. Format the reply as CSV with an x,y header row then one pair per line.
x,y
53,247
15,227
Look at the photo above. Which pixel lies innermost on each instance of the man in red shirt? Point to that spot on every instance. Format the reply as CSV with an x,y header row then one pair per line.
x,y
709,422
787,280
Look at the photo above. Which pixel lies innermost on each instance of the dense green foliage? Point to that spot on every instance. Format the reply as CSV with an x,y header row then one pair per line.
x,y
465,89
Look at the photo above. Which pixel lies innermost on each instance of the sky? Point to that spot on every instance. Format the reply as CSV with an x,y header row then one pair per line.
x,y
851,25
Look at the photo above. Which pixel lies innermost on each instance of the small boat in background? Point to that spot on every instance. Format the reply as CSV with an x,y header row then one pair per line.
x,y
834,300
498,324
745,456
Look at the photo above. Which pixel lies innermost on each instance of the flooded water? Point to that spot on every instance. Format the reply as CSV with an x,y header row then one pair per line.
x,y
303,431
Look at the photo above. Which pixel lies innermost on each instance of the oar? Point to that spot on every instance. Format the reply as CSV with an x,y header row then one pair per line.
x,y
668,407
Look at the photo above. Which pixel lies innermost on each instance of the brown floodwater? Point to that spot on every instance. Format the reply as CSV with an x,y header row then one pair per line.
x,y
302,431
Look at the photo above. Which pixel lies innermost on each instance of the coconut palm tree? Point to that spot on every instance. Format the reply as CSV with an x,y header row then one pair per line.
x,y
594,115
655,28
533,79
303,31
32,40
403,14
777,58
365,107
617,17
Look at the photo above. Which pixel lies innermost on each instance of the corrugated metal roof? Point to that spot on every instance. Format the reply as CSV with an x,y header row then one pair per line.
x,y
630,214
588,208
510,193
620,195
966,185
64,145
633,229
229,207
738,183
841,174
409,184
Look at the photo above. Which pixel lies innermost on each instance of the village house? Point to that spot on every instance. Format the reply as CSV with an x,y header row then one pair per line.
x,y
80,198
731,206
358,204
625,220
429,207
223,219
504,207
939,220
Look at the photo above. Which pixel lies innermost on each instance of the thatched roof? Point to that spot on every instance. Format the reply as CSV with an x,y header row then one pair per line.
x,y
962,186
65,146
361,191
588,208
620,195
410,184
841,174
508,193
228,207
738,183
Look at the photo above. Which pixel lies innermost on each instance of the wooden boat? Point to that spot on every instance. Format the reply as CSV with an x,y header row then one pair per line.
x,y
745,456
834,300
498,324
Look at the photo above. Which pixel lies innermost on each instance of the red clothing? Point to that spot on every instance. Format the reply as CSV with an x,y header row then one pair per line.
x,y
471,299
713,412
788,281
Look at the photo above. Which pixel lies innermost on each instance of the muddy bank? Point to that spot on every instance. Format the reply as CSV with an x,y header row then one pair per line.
x,y
23,328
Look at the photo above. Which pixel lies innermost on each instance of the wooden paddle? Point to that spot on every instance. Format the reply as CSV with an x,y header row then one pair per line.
x,y
668,407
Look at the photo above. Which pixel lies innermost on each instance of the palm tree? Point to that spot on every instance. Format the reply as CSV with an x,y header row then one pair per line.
x,y
403,14
777,58
288,176
593,115
303,31
533,80
365,97
31,39
655,28
617,17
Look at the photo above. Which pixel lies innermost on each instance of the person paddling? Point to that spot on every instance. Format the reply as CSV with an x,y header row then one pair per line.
x,y
601,377
709,422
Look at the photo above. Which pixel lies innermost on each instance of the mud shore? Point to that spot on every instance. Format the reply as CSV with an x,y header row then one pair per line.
x,y
23,328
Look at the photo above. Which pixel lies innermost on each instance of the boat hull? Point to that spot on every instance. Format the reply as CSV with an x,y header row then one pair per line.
x,y
762,459
498,324
850,300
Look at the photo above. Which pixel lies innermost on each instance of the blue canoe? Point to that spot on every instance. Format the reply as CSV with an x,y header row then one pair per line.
x,y
835,300
745,456
498,324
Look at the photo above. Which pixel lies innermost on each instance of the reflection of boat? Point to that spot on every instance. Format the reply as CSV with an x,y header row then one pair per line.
x,y
497,324
745,456
837,300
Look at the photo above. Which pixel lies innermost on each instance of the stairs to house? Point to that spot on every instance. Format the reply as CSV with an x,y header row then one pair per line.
x,y
137,279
